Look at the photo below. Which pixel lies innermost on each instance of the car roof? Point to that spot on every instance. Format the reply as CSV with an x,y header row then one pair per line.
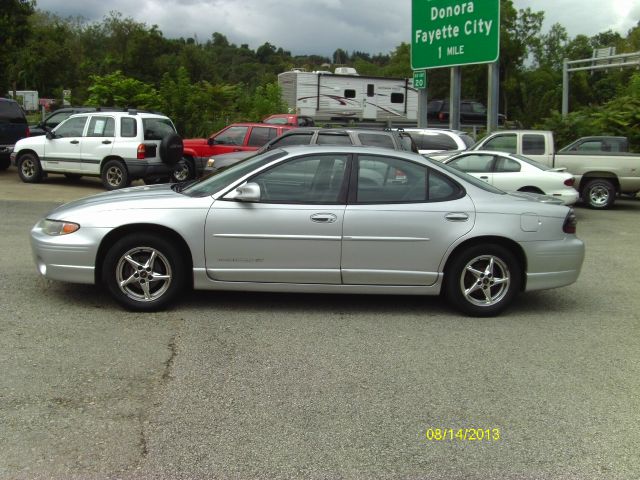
x,y
128,113
354,149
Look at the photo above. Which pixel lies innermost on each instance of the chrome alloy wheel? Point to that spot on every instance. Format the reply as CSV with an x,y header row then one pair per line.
x,y
485,280
114,176
599,195
143,274
28,168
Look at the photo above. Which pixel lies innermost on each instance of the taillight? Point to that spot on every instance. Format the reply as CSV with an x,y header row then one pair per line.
x,y
441,116
570,222
141,152
569,182
28,132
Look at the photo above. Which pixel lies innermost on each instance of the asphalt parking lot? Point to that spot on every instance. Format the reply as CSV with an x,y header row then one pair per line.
x,y
246,385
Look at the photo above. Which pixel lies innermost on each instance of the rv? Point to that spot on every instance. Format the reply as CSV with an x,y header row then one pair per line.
x,y
328,97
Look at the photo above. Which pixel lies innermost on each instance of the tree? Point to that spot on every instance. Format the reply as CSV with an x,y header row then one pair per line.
x,y
14,31
117,90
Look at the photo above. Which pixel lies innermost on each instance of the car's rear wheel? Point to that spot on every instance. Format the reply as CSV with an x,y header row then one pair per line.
x,y
144,272
29,168
115,175
483,280
183,171
599,194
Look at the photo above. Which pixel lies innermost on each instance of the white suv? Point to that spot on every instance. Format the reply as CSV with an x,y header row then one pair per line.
x,y
117,146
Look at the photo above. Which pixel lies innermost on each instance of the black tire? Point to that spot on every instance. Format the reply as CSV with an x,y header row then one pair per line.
x,y
183,171
599,194
144,272
29,168
483,280
171,148
73,176
4,164
531,190
115,175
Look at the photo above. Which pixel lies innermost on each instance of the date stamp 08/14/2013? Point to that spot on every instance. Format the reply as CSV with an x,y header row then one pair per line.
x,y
463,434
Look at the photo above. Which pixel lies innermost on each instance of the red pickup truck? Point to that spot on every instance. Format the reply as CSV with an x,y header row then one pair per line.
x,y
237,137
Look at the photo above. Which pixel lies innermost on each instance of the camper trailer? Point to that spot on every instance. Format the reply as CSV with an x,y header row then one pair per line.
x,y
328,97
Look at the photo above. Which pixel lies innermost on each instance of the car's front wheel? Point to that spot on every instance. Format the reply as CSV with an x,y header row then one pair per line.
x,y
29,168
115,175
144,272
483,280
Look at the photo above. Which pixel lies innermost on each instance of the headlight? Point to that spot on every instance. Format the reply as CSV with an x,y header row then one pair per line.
x,y
56,227
210,162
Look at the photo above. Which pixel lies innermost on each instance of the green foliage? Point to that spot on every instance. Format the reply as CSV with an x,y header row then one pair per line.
x,y
117,90
620,116
14,31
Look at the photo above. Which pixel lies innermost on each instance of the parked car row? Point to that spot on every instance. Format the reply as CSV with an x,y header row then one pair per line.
x,y
123,146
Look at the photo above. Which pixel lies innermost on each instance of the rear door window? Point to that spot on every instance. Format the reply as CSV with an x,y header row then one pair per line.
x,y
260,135
333,139
376,140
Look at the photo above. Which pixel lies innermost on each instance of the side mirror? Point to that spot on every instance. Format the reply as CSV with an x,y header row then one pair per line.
x,y
249,192
50,135
211,141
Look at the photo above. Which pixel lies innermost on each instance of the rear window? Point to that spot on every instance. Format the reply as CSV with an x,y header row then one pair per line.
x,y
434,141
157,128
10,112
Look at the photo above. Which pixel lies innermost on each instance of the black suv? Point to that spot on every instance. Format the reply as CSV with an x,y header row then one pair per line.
x,y
13,127
471,113
395,140
56,117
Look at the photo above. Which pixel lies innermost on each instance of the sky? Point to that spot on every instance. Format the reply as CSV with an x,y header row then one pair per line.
x,y
306,27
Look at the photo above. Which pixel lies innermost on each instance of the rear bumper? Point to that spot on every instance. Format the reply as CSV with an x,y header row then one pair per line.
x,y
143,169
553,264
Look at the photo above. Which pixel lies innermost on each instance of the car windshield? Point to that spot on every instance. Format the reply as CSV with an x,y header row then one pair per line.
x,y
470,179
219,179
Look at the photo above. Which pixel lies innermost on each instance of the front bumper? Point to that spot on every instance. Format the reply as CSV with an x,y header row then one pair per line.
x,y
68,258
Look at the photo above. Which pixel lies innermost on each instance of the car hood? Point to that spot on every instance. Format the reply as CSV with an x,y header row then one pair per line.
x,y
193,142
144,197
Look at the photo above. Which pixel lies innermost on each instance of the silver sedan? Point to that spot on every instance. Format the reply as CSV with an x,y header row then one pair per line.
x,y
318,219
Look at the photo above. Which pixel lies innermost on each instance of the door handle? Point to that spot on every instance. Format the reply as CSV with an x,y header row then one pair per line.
x,y
323,218
75,142
106,142
457,217
237,149
483,177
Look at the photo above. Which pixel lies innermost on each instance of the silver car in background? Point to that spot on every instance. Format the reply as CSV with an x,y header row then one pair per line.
x,y
315,219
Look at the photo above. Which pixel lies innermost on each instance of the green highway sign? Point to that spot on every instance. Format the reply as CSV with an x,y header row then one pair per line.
x,y
419,79
447,33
